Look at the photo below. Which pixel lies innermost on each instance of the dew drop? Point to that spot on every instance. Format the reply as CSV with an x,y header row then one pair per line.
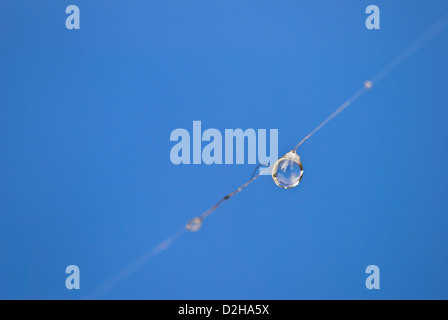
x,y
194,224
288,171
368,84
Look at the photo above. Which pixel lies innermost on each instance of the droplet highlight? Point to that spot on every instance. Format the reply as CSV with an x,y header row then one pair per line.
x,y
288,171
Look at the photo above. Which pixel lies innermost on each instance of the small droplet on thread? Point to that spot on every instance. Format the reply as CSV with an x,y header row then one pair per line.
x,y
288,171
194,224
368,84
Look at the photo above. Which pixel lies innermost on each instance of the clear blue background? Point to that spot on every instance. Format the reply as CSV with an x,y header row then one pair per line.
x,y
86,177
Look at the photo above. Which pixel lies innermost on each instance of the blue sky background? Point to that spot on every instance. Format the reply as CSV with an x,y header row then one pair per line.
x,y
86,178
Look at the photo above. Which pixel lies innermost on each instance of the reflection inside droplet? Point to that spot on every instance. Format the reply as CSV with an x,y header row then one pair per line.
x,y
194,224
287,171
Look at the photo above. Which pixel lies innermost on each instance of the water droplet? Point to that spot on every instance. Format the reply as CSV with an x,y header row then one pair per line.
x,y
288,171
194,224
368,84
